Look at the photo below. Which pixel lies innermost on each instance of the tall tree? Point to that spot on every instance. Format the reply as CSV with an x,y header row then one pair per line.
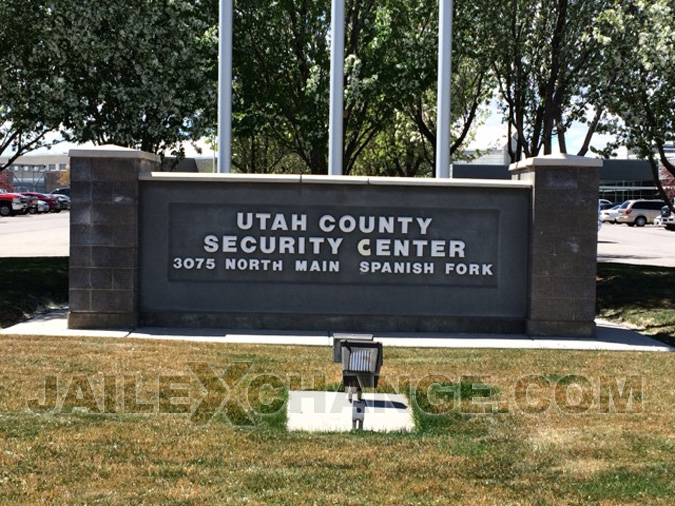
x,y
282,77
640,34
550,68
280,59
34,96
406,144
143,71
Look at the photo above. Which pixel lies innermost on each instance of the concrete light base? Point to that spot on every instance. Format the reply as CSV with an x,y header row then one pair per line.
x,y
332,412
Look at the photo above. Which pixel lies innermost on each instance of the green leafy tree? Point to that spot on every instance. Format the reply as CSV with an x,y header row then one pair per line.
x,y
402,151
135,73
281,60
34,96
551,70
398,150
641,36
143,71
143,74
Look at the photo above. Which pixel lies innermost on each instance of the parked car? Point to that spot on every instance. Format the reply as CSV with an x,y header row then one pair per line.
x,y
605,204
32,203
12,203
54,204
61,191
609,215
639,212
64,200
43,207
667,219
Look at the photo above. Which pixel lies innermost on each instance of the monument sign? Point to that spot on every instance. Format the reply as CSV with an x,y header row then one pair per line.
x,y
414,257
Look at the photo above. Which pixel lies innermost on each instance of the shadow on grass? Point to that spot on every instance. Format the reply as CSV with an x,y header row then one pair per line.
x,y
635,286
29,284
449,407
643,296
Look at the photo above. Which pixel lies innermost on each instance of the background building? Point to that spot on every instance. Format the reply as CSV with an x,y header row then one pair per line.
x,y
620,179
38,173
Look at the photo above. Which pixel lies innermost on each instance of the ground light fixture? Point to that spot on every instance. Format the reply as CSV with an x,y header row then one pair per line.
x,y
361,360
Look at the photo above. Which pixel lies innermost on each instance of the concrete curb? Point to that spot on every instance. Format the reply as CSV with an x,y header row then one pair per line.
x,y
611,337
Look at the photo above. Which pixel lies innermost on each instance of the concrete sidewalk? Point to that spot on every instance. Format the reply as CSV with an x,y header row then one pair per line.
x,y
611,337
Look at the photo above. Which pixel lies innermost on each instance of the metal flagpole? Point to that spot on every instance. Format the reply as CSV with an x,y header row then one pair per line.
x,y
225,87
337,62
444,94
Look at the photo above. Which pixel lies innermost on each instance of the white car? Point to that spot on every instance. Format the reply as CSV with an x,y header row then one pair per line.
x,y
667,219
609,215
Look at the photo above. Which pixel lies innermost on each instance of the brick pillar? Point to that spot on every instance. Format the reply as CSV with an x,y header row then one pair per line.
x,y
563,244
104,236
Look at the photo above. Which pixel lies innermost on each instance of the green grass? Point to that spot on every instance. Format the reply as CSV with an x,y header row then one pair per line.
x,y
28,285
631,485
458,454
441,406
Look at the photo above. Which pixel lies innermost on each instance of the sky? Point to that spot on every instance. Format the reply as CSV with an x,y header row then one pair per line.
x,y
493,133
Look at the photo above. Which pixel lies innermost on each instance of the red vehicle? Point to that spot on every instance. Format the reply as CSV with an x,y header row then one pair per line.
x,y
32,204
52,202
12,203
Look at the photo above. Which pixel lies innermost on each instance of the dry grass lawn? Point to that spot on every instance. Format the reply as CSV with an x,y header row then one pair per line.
x,y
540,450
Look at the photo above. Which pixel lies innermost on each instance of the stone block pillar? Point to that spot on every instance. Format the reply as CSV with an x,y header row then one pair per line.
x,y
104,236
563,244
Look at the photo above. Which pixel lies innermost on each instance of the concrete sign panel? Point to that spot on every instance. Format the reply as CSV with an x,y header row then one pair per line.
x,y
333,256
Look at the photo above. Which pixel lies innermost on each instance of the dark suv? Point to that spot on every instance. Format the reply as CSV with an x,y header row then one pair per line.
x,y
639,212
61,191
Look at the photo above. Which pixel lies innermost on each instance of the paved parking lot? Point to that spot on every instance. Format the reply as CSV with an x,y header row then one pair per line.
x,y
48,235
648,245
35,235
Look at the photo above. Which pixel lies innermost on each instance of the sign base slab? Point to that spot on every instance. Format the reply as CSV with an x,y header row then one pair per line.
x,y
332,412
